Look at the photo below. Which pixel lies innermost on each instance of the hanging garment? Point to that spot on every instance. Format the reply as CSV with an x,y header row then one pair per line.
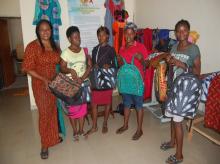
x,y
111,6
205,85
51,11
212,107
193,37
118,34
148,37
160,81
140,36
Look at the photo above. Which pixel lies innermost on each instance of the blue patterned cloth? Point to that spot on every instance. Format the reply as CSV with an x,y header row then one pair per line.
x,y
51,11
205,85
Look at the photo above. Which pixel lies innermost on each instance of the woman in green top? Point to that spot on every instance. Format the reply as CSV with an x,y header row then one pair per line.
x,y
184,55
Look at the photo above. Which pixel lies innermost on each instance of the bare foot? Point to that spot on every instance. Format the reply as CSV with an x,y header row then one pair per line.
x,y
121,129
92,130
137,135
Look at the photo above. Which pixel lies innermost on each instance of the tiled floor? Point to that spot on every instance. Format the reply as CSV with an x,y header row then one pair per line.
x,y
20,144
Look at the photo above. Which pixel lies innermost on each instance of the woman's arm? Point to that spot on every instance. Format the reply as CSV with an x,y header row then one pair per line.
x,y
197,66
88,68
64,69
37,76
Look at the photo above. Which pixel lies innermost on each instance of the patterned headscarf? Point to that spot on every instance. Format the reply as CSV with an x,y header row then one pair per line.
x,y
131,25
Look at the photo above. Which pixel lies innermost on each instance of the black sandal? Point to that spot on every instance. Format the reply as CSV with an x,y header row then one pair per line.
x,y
44,154
173,160
166,146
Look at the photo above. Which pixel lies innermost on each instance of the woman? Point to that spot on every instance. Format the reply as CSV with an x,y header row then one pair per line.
x,y
76,63
103,56
133,48
40,59
184,56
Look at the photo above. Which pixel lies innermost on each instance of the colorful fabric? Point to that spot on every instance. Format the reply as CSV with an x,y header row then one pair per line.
x,y
161,84
212,107
62,128
131,25
118,34
111,6
44,63
51,11
205,85
193,37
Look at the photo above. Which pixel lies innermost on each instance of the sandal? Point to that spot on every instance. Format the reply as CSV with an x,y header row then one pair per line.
x,y
173,160
60,140
75,137
44,154
92,130
121,130
104,129
137,135
166,146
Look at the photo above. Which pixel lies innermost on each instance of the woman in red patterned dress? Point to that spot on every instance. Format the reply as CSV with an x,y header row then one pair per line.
x,y
40,59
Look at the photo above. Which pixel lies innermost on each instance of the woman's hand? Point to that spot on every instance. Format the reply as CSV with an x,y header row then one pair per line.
x,y
73,74
106,66
80,80
138,56
175,62
46,82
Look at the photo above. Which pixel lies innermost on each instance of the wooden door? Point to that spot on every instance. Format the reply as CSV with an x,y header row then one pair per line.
x,y
5,55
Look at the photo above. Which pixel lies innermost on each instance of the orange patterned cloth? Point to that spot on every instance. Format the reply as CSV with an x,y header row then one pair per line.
x,y
118,30
44,63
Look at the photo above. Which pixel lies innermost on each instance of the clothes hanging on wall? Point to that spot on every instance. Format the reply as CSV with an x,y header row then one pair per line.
x,y
148,37
49,10
111,6
118,35
205,85
212,107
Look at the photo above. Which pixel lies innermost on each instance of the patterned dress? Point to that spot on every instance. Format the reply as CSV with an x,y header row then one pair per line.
x,y
44,63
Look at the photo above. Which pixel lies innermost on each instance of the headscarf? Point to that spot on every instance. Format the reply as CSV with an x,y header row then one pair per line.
x,y
131,25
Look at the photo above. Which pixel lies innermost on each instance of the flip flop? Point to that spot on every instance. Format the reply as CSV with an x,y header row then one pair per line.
x,y
166,146
75,137
44,154
173,160
121,130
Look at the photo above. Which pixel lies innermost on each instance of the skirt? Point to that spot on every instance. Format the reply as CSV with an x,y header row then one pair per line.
x,y
77,111
102,97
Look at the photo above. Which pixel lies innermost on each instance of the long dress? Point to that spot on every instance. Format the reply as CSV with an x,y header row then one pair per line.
x,y
44,63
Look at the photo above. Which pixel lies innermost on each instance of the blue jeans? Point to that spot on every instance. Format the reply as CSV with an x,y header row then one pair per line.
x,y
129,99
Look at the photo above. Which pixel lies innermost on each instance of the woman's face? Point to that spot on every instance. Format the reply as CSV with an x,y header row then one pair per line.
x,y
102,37
182,33
75,39
129,36
44,31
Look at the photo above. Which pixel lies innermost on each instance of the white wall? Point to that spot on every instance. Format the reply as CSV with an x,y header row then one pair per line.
x,y
9,8
203,15
27,14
